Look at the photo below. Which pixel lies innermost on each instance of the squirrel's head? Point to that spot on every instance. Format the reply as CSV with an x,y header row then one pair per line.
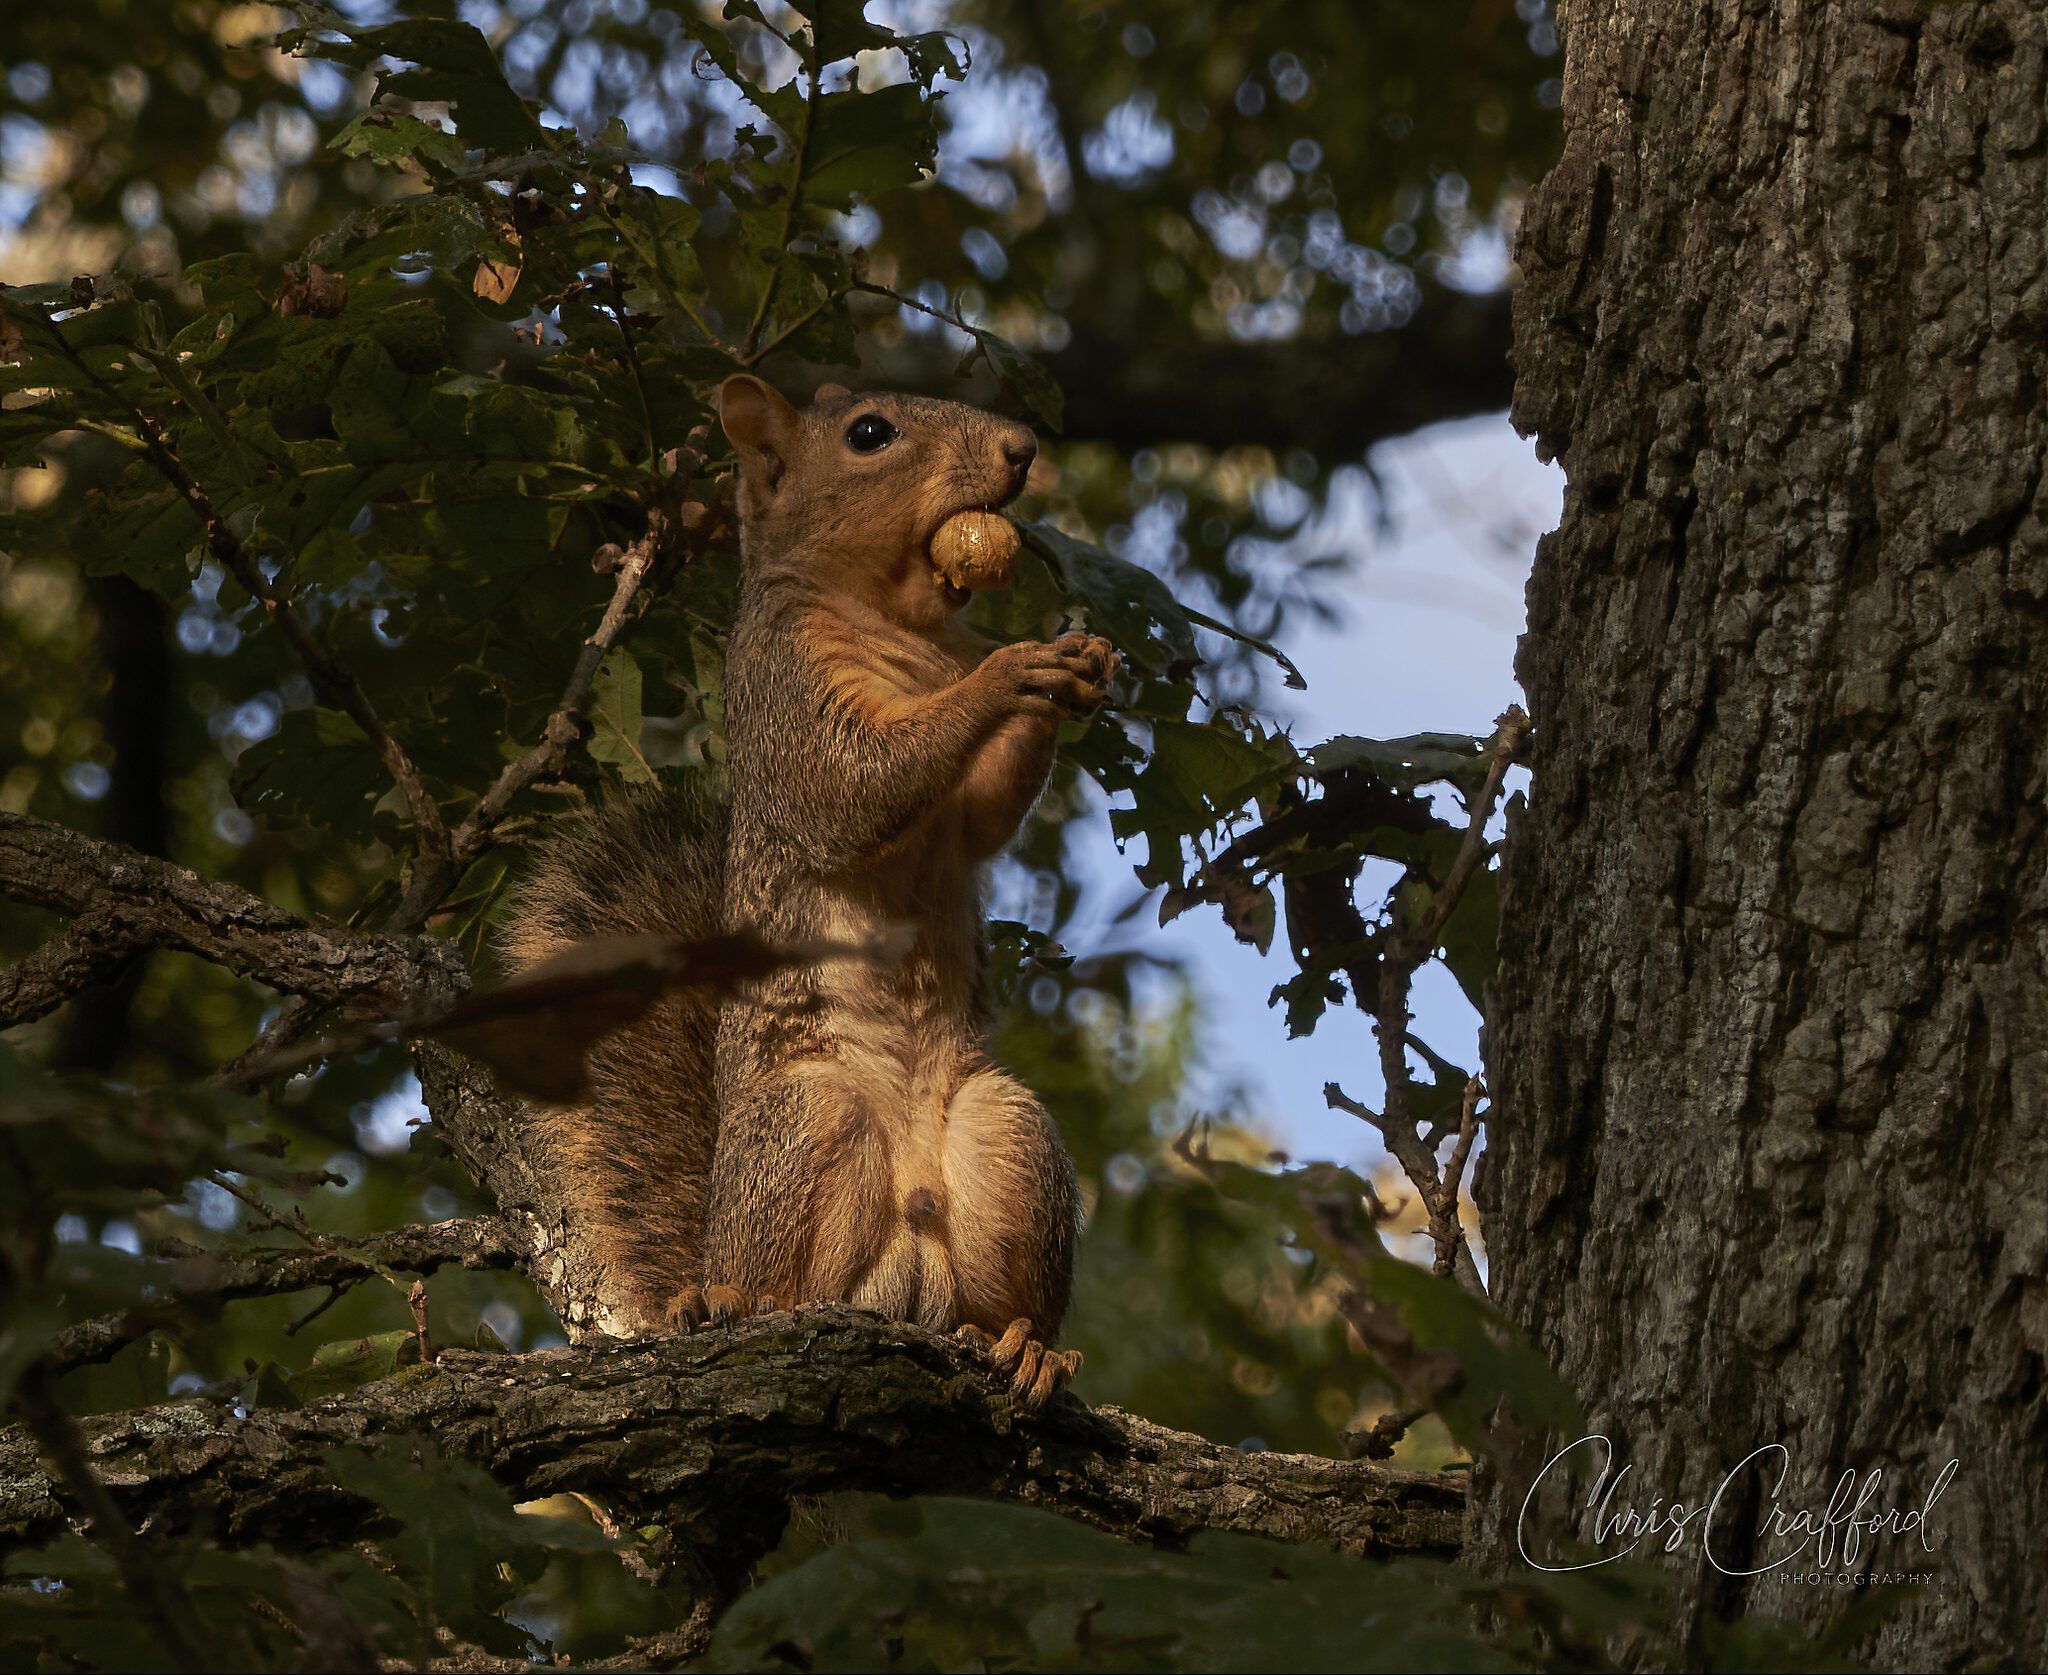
x,y
851,489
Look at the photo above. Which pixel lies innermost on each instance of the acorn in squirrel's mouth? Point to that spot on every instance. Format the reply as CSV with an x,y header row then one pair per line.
x,y
974,551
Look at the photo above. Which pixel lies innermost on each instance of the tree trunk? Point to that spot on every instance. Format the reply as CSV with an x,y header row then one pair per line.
x,y
1769,1042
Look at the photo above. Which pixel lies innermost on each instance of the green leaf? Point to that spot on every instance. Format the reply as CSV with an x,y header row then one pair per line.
x,y
91,349
382,414
1017,952
867,144
1470,939
1324,1208
24,431
1197,774
838,30
973,1586
329,558
142,529
614,709
450,63
783,106
462,1547
1410,763
234,281
393,137
347,1363
934,54
1023,374
318,768
1306,996
1125,602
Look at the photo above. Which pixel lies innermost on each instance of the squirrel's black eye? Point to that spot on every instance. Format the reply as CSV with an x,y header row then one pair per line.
x,y
870,433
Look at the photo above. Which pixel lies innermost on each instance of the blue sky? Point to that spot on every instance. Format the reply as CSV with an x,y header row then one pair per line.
x,y
1425,641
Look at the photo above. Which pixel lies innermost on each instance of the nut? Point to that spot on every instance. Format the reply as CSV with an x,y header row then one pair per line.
x,y
976,550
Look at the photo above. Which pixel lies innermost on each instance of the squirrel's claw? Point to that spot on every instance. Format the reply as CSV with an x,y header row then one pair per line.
x,y
686,1310
1056,1369
1034,1373
1008,1350
724,1303
715,1305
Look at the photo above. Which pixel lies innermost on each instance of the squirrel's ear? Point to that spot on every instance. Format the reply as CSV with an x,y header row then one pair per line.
x,y
761,424
829,392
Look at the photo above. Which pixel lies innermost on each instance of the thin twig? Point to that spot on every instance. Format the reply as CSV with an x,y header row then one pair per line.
x,y
869,288
195,1281
335,1293
1406,1147
1446,1225
755,357
416,1300
657,258
1376,1207
673,525
1377,1441
665,525
561,728
243,1072
270,1217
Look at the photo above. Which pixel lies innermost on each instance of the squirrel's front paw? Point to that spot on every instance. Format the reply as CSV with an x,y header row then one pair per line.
x,y
1069,676
1036,1374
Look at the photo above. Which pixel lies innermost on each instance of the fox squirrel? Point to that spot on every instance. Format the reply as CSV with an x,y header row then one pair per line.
x,y
836,1133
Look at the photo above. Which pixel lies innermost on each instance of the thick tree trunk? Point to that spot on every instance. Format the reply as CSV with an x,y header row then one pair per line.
x,y
1770,1037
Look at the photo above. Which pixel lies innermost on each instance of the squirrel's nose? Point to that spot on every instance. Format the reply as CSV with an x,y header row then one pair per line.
x,y
1020,448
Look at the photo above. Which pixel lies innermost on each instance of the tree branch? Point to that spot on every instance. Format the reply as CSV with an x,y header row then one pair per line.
x,y
1405,1145
713,1435
196,1280
1406,947
125,900
1334,398
1446,1230
1146,382
98,943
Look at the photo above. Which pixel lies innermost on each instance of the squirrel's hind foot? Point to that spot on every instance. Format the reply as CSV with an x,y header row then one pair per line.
x,y
714,1305
1035,1373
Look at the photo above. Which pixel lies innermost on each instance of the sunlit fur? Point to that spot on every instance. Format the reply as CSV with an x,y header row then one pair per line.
x,y
866,1150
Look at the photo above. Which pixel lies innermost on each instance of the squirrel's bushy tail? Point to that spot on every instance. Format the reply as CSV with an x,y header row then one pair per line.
x,y
637,1157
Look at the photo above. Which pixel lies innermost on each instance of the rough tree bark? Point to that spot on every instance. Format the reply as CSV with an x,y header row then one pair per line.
x,y
715,1434
1770,1038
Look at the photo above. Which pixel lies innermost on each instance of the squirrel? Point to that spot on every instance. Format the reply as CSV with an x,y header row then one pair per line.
x,y
836,1133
